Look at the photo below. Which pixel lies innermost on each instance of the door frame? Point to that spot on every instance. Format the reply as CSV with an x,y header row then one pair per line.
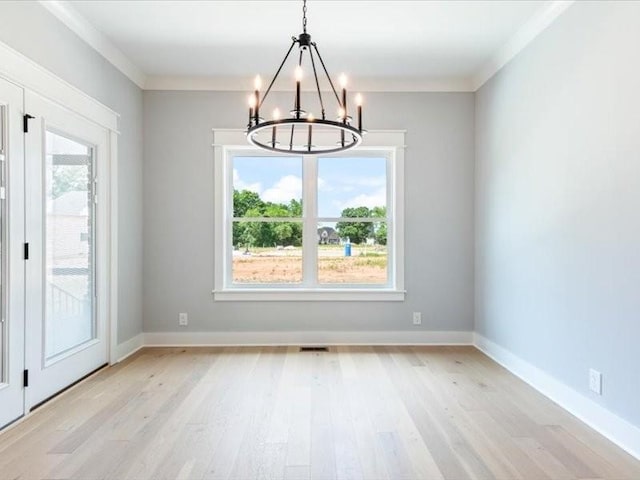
x,y
13,271
19,69
48,376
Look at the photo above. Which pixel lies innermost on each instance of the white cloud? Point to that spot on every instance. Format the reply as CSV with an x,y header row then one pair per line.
x,y
287,188
376,199
239,184
323,186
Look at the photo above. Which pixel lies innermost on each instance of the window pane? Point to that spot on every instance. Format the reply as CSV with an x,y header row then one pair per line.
x,y
267,252
355,186
343,261
69,316
267,187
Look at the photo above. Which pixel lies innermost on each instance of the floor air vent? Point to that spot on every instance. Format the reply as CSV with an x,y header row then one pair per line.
x,y
314,349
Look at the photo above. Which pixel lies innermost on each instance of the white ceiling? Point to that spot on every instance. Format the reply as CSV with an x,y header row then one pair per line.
x,y
409,42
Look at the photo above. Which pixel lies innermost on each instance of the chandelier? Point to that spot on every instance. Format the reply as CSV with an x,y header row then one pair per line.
x,y
302,132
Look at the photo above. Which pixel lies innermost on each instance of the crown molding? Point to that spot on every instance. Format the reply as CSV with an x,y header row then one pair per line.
x,y
544,17
245,84
64,11
547,14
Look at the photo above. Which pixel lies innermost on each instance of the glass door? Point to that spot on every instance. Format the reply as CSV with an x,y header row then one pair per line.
x,y
67,271
69,293
11,253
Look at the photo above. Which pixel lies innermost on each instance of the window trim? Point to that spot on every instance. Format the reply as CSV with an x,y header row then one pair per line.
x,y
228,143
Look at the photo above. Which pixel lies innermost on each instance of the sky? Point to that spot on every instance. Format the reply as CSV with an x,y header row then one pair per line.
x,y
342,182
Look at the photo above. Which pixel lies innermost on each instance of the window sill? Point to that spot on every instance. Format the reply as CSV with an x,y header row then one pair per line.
x,y
301,295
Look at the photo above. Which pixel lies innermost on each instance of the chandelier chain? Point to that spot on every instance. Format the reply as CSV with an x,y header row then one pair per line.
x,y
304,16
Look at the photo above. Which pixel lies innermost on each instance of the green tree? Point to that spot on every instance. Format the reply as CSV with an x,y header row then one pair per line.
x,y
295,208
265,234
69,178
254,234
380,228
283,233
245,200
357,232
276,210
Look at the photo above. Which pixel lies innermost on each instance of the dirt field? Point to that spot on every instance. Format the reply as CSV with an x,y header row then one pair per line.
x,y
271,266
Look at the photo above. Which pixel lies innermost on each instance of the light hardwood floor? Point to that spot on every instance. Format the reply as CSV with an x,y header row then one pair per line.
x,y
276,413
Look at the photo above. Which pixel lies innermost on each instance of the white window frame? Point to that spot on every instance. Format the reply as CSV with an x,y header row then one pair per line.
x,y
230,143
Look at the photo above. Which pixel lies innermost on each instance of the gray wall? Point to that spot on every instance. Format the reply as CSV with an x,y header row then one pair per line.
x,y
179,210
30,29
557,198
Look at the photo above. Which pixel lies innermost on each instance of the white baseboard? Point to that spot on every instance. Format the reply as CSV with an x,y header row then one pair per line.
x,y
307,338
616,429
129,347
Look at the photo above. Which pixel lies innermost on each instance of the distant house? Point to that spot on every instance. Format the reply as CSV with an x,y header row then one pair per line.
x,y
328,236
67,218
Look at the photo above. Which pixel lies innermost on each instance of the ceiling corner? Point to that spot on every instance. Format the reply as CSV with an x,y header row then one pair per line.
x,y
67,14
544,17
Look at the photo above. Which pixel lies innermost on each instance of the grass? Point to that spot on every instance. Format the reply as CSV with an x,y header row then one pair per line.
x,y
377,261
367,264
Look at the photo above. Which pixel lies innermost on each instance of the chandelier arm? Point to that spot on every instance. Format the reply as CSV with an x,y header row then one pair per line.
x,y
327,74
315,75
264,97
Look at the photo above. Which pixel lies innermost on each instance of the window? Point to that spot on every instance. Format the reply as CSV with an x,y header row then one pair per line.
x,y
309,227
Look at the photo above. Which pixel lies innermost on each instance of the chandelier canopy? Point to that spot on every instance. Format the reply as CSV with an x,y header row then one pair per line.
x,y
295,134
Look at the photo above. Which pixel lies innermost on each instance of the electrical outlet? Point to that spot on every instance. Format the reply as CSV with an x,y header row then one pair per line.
x,y
417,318
183,319
595,381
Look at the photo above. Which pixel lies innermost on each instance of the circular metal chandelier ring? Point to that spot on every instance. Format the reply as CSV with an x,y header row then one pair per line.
x,y
353,136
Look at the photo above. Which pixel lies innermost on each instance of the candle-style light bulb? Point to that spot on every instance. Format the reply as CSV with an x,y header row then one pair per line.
x,y
257,83
359,100
343,81
276,114
298,73
310,117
